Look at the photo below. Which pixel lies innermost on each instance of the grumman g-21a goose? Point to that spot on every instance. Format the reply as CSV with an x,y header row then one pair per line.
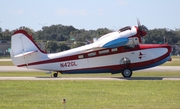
x,y
121,51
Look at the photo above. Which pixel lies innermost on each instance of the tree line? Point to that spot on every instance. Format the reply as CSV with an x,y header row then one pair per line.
x,y
60,37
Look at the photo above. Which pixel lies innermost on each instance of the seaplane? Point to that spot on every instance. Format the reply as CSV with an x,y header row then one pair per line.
x,y
121,51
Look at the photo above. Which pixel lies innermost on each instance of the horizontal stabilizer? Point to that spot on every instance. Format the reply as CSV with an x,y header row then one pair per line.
x,y
25,53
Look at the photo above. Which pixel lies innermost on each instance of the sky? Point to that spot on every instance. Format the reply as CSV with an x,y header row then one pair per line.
x,y
89,14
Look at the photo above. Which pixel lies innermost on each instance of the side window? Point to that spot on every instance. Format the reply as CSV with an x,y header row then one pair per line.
x,y
92,54
125,28
114,49
81,56
103,51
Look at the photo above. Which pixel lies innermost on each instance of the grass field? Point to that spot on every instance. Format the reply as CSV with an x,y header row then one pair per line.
x,y
90,94
175,61
6,63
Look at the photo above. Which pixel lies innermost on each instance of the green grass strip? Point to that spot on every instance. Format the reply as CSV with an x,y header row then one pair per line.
x,y
90,94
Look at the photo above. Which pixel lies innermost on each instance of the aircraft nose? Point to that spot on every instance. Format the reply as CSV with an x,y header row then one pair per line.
x,y
169,49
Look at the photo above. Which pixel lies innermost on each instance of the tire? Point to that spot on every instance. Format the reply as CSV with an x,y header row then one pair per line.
x,y
127,73
55,74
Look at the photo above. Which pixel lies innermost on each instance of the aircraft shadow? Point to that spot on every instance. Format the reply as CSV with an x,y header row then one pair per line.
x,y
117,78
140,78
46,77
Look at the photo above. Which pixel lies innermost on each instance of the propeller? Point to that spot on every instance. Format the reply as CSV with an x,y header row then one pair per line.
x,y
142,30
139,24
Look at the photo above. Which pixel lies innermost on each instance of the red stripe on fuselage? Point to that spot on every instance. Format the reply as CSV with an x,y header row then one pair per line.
x,y
116,68
120,50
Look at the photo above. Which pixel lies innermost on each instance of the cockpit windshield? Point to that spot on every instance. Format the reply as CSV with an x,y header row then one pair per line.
x,y
125,28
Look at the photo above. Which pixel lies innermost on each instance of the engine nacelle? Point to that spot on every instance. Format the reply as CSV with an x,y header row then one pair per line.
x,y
125,36
116,43
133,41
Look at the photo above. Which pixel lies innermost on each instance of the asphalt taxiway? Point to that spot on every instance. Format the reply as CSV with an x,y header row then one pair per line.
x,y
18,69
158,68
88,78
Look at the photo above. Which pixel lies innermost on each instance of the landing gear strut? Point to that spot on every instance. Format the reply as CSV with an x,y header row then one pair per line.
x,y
127,72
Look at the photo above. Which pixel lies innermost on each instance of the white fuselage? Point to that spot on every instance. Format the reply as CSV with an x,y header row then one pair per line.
x,y
108,54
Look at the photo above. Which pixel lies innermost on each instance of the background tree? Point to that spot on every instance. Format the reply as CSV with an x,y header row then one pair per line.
x,y
61,37
161,36
0,33
51,46
77,44
63,47
6,35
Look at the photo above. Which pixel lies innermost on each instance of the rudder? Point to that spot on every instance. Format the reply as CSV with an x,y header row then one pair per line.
x,y
24,50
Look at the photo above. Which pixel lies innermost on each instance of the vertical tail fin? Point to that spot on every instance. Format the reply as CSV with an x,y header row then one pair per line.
x,y
24,50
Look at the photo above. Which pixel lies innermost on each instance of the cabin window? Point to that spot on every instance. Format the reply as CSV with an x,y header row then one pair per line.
x,y
114,49
125,28
81,56
103,51
92,54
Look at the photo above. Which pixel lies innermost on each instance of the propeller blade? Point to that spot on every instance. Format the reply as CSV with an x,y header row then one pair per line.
x,y
138,22
142,30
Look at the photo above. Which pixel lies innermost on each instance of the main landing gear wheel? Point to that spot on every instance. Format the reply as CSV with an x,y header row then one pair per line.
x,y
55,75
127,73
